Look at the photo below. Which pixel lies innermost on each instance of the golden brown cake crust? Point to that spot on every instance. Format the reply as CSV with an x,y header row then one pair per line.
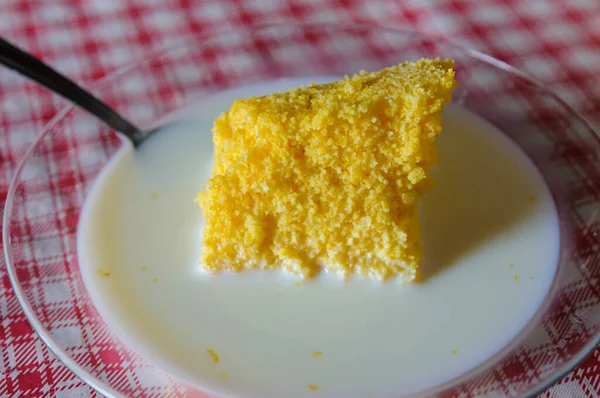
x,y
326,176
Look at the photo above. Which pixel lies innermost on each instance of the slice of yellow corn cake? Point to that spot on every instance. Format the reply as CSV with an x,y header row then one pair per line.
x,y
326,176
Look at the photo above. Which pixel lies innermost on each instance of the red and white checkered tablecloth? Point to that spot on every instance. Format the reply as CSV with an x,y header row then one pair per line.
x,y
88,39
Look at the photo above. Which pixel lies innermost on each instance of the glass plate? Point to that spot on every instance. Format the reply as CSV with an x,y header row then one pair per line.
x,y
47,193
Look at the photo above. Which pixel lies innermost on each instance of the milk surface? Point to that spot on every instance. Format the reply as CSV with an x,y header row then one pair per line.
x,y
491,239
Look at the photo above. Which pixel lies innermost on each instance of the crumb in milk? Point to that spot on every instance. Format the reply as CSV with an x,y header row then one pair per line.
x,y
213,354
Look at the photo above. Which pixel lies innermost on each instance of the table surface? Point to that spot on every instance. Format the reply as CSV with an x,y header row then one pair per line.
x,y
87,39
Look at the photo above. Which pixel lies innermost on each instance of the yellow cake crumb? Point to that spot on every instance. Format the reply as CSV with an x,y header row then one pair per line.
x,y
512,266
326,176
517,277
214,356
143,268
317,354
313,387
154,195
455,351
103,272
531,277
154,279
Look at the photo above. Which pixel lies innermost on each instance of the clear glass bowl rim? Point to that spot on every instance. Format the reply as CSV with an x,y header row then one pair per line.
x,y
98,385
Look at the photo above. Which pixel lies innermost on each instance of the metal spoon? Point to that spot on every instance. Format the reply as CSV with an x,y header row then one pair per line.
x,y
27,65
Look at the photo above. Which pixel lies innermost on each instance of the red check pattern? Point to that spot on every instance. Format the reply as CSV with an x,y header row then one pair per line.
x,y
88,39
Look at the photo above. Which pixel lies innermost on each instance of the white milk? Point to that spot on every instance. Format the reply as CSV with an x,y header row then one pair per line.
x,y
488,209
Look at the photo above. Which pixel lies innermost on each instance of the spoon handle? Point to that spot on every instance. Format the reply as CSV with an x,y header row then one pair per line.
x,y
27,65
